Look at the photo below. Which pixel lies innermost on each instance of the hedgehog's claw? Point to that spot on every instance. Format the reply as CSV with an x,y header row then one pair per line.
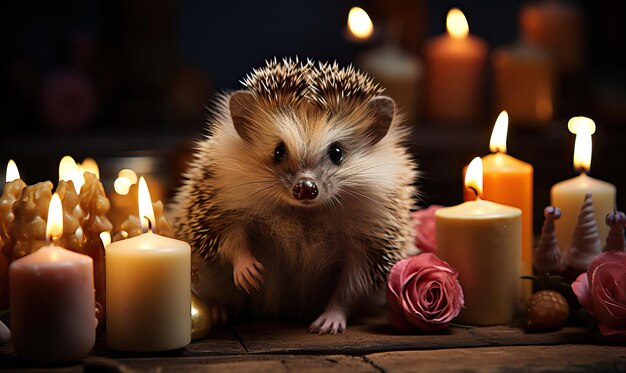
x,y
330,322
248,274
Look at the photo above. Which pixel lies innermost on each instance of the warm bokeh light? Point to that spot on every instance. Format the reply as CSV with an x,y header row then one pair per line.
x,y
69,170
129,174
359,23
582,148
54,226
145,206
585,123
497,143
90,165
456,24
12,172
122,185
474,176
106,238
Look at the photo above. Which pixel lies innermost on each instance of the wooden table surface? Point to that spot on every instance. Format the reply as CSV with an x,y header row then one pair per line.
x,y
371,346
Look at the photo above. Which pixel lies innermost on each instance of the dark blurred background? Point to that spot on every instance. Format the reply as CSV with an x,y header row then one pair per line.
x,y
128,82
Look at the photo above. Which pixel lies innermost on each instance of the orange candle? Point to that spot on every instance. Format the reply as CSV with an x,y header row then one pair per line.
x,y
509,181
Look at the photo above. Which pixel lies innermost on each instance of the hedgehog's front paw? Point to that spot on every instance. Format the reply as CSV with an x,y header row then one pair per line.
x,y
332,321
248,273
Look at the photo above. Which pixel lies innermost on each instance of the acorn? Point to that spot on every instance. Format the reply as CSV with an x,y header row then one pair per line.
x,y
547,310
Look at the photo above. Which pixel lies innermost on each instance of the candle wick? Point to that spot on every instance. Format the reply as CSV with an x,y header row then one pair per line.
x,y
149,224
475,191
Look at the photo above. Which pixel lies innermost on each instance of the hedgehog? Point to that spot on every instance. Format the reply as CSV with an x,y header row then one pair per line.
x,y
297,201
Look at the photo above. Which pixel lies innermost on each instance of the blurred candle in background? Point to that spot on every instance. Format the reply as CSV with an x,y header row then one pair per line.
x,y
569,195
557,27
509,181
523,84
455,64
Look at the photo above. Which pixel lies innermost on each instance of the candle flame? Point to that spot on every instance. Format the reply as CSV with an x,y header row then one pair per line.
x,y
90,165
584,123
106,238
129,174
582,148
359,23
12,172
456,24
474,176
125,179
69,170
146,213
54,226
497,143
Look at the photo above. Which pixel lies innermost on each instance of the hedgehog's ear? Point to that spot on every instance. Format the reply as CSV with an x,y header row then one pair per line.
x,y
381,109
242,106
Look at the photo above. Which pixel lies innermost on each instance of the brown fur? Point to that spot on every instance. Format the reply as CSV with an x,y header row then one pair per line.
x,y
235,195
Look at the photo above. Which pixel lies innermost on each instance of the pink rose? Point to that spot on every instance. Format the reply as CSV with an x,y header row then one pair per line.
x,y
425,237
423,292
602,291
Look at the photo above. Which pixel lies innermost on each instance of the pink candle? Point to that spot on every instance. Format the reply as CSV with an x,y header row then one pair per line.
x,y
455,72
51,293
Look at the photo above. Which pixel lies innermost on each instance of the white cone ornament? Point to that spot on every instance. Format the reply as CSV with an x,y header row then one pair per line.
x,y
586,243
547,255
615,240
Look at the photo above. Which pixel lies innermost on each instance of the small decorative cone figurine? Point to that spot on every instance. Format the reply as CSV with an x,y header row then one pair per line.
x,y
547,258
10,194
586,243
615,240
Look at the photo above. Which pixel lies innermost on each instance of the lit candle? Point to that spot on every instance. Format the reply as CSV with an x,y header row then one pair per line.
x,y
455,70
148,289
52,300
569,195
509,181
360,26
482,240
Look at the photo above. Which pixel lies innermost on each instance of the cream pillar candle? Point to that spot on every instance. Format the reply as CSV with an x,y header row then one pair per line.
x,y
569,195
482,240
455,66
148,289
52,300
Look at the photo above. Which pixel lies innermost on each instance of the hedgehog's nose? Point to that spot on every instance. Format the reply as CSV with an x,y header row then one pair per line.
x,y
305,189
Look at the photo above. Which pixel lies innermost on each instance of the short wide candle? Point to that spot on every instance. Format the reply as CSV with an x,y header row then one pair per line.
x,y
53,307
148,292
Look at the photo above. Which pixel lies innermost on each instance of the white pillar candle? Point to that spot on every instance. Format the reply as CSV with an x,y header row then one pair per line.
x,y
52,301
148,289
482,240
569,195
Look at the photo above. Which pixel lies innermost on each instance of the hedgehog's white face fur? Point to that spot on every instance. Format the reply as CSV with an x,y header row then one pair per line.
x,y
314,145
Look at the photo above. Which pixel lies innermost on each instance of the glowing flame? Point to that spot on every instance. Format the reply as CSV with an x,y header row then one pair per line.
x,y
54,227
359,23
90,165
12,172
584,123
497,143
129,174
69,170
145,206
456,24
474,176
582,147
106,238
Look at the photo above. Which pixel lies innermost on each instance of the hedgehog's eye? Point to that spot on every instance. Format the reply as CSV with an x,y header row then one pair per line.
x,y
335,153
280,152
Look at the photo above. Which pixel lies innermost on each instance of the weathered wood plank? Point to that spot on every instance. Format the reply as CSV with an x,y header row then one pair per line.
x,y
377,336
566,358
